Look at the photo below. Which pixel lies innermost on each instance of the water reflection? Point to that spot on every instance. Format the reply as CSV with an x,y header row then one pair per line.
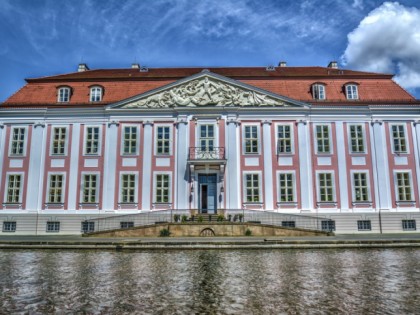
x,y
211,282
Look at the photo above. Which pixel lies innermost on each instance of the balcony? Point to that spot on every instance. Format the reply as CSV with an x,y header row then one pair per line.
x,y
211,157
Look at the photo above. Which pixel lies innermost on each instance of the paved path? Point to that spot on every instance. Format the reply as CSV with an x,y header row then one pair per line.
x,y
148,243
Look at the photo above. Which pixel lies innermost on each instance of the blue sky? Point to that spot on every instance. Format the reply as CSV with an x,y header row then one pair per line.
x,y
48,37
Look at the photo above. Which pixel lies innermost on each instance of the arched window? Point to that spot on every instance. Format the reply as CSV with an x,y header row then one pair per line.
x,y
95,94
318,91
352,92
63,94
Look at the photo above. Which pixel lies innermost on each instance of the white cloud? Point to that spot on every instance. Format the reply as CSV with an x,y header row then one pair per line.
x,y
358,4
387,40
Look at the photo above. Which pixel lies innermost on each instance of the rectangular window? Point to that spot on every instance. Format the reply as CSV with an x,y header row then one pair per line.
x,y
409,225
14,187
398,139
92,141
291,224
55,189
328,225
286,186
403,186
163,141
284,139
251,139
360,186
357,139
9,226
90,188
162,188
326,187
323,138
252,191
88,227
130,140
53,226
364,225
126,225
128,188
17,146
58,144
207,137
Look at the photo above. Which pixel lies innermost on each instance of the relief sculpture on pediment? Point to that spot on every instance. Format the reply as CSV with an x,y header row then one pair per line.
x,y
205,92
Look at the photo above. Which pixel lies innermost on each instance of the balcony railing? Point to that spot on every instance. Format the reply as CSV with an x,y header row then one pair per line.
x,y
199,153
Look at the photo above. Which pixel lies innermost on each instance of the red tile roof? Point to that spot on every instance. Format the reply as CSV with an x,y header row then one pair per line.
x,y
293,82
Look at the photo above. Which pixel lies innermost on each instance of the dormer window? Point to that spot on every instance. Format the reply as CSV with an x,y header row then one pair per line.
x,y
95,94
352,92
318,91
63,94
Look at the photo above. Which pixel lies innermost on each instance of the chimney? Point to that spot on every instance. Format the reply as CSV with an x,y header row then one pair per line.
x,y
82,67
282,64
333,65
135,66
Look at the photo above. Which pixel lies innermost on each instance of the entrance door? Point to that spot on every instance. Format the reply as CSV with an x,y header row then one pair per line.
x,y
207,193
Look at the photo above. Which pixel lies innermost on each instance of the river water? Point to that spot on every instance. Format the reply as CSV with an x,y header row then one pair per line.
x,y
358,281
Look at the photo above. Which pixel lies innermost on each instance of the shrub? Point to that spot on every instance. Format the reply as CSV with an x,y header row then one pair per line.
x,y
248,232
240,216
164,233
184,218
220,218
200,218
176,217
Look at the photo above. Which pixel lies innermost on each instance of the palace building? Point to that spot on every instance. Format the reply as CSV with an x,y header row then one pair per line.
x,y
311,141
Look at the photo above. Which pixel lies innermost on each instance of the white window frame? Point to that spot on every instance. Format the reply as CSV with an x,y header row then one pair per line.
x,y
55,224
410,176
59,99
391,136
99,140
331,152
6,187
63,189
155,174
350,94
260,187
405,224
258,125
317,86
11,224
66,140
136,187
137,139
353,186
156,126
198,133
365,151
364,221
318,186
292,138
91,95
25,141
82,187
293,173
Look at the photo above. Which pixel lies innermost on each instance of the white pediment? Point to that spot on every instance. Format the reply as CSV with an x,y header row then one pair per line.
x,y
206,89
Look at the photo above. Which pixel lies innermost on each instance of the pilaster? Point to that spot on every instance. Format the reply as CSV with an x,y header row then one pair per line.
x,y
110,164
74,167
147,164
36,167
381,166
342,165
233,182
268,165
182,193
305,165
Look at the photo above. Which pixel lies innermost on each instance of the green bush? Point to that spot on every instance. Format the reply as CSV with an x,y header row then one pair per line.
x,y
184,218
164,233
248,232
176,217
200,218
220,218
